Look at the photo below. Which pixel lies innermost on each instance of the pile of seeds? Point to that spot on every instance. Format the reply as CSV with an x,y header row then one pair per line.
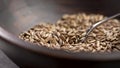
x,y
67,33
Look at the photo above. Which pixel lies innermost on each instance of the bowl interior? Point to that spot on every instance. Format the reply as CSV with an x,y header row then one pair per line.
x,y
19,15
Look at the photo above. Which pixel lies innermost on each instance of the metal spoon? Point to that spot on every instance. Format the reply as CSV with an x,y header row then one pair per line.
x,y
91,28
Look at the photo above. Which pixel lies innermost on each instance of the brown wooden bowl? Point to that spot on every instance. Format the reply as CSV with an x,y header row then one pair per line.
x,y
19,15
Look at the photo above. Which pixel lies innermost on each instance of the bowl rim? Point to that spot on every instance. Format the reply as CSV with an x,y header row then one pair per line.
x,y
12,39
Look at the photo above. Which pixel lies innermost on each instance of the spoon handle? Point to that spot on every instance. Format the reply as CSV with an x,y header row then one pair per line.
x,y
91,28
